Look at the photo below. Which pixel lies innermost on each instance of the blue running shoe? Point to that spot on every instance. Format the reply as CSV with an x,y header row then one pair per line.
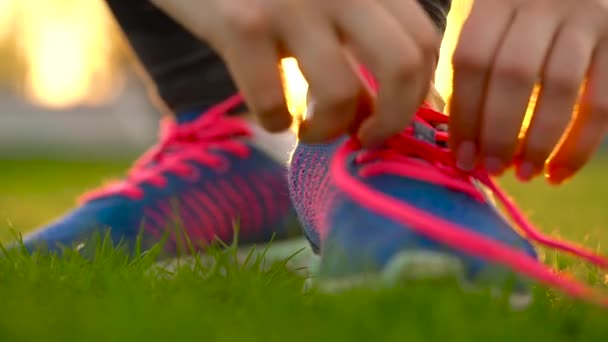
x,y
205,177
404,211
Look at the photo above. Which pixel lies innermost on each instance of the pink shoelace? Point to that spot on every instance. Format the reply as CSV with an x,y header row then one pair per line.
x,y
403,155
407,156
181,144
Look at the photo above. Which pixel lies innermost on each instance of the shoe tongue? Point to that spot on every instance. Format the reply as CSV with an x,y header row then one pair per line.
x,y
424,133
187,117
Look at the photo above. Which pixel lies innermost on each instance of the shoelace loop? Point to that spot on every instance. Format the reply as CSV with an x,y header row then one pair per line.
x,y
407,149
407,156
179,146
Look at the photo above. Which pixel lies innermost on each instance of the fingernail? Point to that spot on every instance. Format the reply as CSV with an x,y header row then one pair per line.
x,y
494,165
558,175
465,156
525,171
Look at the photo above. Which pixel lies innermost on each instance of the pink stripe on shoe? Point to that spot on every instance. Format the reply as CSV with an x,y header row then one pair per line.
x,y
458,237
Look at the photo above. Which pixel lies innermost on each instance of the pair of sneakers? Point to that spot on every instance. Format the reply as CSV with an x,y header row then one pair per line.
x,y
396,212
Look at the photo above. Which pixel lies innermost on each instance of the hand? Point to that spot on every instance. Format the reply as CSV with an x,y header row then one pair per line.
x,y
395,39
505,49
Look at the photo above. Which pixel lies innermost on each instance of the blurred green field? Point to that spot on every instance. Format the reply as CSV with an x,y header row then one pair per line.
x,y
115,299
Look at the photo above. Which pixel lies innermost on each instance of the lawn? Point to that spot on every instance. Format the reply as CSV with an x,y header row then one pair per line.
x,y
115,299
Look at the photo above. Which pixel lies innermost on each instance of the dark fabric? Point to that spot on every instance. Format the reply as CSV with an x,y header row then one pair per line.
x,y
438,11
187,74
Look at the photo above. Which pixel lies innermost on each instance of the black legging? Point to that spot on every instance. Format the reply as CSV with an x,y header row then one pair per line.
x,y
187,74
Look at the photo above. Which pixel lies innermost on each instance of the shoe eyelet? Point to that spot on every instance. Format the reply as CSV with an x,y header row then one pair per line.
x,y
352,160
193,175
222,166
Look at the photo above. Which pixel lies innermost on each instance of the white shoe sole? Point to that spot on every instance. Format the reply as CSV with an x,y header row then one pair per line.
x,y
409,266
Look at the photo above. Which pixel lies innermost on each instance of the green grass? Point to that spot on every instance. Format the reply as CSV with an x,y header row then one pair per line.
x,y
112,298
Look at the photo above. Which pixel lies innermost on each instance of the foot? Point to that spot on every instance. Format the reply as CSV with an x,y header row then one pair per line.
x,y
404,211
206,177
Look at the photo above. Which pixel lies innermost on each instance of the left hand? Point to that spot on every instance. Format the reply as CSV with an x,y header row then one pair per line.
x,y
505,49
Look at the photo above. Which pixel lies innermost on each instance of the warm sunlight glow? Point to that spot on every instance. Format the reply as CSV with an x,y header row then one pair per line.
x,y
66,48
7,14
295,87
458,14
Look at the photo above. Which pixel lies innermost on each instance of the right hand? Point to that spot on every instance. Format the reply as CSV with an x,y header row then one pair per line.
x,y
394,39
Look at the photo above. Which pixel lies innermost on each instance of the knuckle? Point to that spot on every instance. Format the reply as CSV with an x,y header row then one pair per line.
x,y
339,97
562,82
597,9
246,20
578,25
269,105
466,59
549,126
405,66
520,73
499,145
539,6
430,41
551,129
599,109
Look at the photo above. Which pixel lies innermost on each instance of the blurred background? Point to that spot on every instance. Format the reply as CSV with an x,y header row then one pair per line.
x,y
67,86
73,112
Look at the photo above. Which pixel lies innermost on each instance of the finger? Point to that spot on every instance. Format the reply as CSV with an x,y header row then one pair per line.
x,y
516,68
589,126
333,82
254,63
480,38
562,77
414,20
403,74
